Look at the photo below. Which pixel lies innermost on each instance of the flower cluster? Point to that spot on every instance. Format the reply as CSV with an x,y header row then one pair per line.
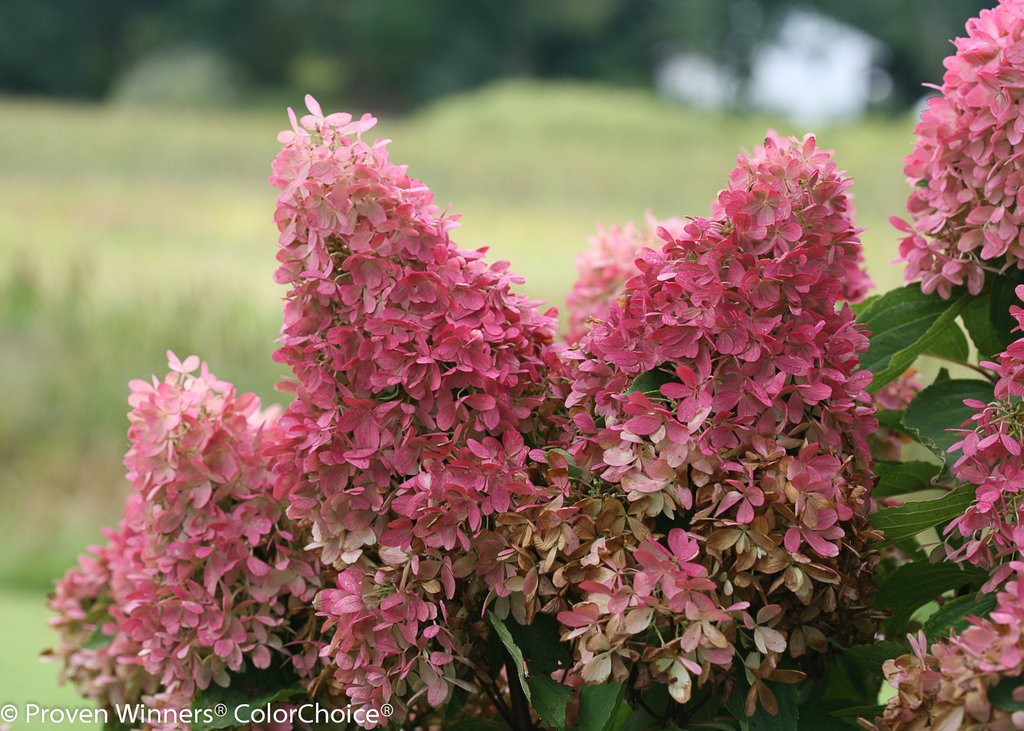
x,y
418,378
604,269
992,528
966,167
96,656
959,683
685,487
721,393
206,575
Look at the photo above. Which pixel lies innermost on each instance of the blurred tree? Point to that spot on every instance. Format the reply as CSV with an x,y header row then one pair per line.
x,y
395,54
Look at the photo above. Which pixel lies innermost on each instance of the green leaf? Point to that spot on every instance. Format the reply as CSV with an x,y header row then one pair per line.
x,y
541,645
951,343
870,711
860,307
900,478
940,407
253,686
871,656
978,320
909,519
97,639
574,469
650,711
599,705
904,323
538,647
651,381
891,419
913,585
549,699
513,649
1001,695
955,614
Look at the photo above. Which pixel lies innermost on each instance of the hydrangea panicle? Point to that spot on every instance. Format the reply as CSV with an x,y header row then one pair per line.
x,y
206,575
992,528
966,167
721,393
419,376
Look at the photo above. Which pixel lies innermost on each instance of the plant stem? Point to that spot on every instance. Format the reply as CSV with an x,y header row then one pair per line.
x,y
520,706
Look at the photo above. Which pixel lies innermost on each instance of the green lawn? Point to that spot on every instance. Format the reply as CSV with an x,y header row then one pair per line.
x,y
24,677
123,234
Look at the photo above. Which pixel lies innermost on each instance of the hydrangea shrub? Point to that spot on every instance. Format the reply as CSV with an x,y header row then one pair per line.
x,y
694,509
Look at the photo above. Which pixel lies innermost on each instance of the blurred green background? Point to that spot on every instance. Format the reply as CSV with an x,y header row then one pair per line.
x,y
135,216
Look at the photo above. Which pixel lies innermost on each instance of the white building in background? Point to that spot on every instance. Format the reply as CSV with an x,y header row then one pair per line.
x,y
815,70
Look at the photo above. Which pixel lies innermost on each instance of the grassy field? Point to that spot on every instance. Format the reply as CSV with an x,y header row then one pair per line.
x,y
123,234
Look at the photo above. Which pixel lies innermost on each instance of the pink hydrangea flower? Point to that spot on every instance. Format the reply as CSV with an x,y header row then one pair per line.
x,y
966,166
418,376
604,269
206,575
721,393
993,526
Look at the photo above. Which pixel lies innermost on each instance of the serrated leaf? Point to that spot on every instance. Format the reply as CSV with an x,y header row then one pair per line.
x,y
549,699
256,687
909,519
955,615
599,705
940,408
913,585
900,478
903,324
873,655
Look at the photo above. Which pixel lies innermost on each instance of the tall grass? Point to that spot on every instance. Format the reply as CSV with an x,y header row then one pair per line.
x,y
123,234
